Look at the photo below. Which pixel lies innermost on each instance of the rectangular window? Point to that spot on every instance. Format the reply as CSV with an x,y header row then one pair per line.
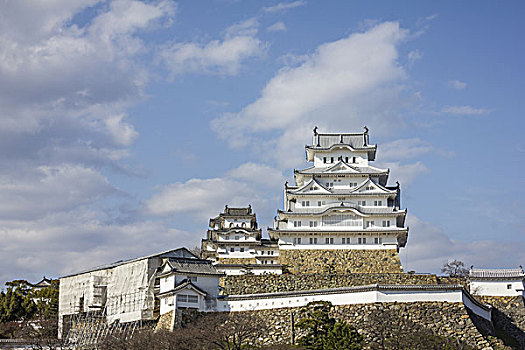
x,y
232,249
324,160
353,159
297,240
378,240
297,224
313,223
378,203
386,223
270,252
242,249
329,240
236,238
509,286
182,298
193,299
353,184
192,278
369,224
331,159
362,203
361,240
345,240
319,203
346,159
313,240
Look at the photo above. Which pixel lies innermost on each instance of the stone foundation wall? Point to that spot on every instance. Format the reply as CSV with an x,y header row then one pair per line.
x,y
380,321
341,261
252,284
165,322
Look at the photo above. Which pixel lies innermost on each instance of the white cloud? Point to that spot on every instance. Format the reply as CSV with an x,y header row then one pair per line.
x,y
277,27
258,174
414,55
404,173
428,248
202,198
283,6
49,190
456,84
465,110
403,149
217,56
64,243
64,91
348,83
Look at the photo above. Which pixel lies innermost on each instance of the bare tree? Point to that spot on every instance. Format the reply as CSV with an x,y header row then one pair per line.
x,y
222,331
454,268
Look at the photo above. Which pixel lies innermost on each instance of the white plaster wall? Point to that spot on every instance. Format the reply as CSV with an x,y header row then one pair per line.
x,y
237,223
486,314
167,304
268,269
497,288
388,242
361,158
350,298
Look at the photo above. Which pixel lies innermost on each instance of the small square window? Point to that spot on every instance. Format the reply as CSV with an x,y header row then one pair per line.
x,y
242,249
232,249
509,286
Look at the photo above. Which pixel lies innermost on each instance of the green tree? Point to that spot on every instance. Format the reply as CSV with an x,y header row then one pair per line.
x,y
15,306
323,332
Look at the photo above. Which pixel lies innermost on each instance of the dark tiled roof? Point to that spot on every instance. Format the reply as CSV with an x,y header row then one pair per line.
x,y
193,266
359,170
174,253
238,211
496,273
329,140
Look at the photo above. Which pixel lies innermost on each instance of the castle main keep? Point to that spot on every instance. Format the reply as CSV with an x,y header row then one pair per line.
x,y
339,216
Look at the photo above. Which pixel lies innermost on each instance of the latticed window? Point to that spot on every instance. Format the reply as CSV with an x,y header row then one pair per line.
x,y
342,220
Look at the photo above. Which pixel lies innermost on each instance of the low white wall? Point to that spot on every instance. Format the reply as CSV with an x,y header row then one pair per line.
x,y
497,288
349,297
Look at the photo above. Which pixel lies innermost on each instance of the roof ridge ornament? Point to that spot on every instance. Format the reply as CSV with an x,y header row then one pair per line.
x,y
315,130
365,136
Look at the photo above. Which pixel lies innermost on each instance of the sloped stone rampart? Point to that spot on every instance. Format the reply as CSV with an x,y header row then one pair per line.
x,y
253,284
380,321
165,322
341,261
508,315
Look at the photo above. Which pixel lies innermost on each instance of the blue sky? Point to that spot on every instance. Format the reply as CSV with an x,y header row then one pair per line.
x,y
125,125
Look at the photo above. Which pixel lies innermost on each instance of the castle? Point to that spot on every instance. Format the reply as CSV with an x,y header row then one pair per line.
x,y
339,210
336,239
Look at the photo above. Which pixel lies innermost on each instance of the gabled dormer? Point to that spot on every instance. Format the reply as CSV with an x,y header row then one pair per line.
x,y
312,187
341,167
371,187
